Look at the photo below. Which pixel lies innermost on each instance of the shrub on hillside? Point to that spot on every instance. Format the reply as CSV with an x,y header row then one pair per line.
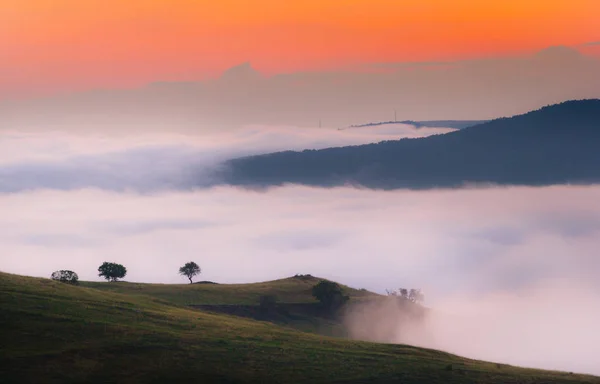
x,y
64,276
330,294
303,277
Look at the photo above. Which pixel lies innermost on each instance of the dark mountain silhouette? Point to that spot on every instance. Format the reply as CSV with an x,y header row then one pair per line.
x,y
557,144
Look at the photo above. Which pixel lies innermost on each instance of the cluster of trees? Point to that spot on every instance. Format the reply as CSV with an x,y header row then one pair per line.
x,y
114,272
414,295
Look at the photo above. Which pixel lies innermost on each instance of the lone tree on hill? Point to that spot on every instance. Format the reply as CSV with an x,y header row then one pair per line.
x,y
64,276
190,270
112,271
330,294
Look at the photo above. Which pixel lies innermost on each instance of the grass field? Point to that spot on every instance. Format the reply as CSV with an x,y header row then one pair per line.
x,y
290,290
56,333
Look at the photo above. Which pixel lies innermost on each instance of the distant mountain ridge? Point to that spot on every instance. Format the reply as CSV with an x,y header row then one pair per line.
x,y
557,144
457,124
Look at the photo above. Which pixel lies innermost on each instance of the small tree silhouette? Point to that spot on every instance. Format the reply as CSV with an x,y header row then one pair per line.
x,y
190,270
112,271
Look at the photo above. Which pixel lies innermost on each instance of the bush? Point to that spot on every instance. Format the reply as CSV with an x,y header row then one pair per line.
x,y
68,277
330,294
303,277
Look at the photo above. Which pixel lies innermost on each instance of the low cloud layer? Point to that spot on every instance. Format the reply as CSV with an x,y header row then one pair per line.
x,y
424,239
548,324
159,161
511,274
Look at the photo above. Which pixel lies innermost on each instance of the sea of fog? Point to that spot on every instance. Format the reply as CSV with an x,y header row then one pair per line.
x,y
512,274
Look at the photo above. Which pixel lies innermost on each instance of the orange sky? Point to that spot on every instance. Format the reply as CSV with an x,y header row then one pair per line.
x,y
57,45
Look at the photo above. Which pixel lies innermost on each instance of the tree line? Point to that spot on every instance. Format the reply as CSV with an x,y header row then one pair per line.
x,y
114,271
329,294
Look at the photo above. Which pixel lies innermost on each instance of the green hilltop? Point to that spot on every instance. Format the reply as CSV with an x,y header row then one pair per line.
x,y
290,290
147,333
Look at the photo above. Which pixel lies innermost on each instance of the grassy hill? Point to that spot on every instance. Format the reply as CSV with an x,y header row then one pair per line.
x,y
290,290
56,333
295,308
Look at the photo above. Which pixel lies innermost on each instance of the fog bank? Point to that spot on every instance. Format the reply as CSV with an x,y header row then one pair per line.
x,y
511,274
550,324
159,161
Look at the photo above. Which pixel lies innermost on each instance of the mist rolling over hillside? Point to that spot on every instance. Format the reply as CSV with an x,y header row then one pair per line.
x,y
478,253
315,191
491,260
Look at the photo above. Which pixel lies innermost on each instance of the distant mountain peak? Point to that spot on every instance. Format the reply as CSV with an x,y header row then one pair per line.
x,y
241,72
558,53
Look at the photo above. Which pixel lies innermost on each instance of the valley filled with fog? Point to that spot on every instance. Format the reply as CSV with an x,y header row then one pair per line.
x,y
511,273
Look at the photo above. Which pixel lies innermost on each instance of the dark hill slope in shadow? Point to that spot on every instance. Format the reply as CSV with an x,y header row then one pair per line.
x,y
557,144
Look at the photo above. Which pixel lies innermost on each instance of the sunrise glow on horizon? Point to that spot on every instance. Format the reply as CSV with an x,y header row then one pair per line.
x,y
57,45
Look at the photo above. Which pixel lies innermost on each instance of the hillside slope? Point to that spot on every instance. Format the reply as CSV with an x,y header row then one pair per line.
x,y
295,306
289,290
554,145
55,333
